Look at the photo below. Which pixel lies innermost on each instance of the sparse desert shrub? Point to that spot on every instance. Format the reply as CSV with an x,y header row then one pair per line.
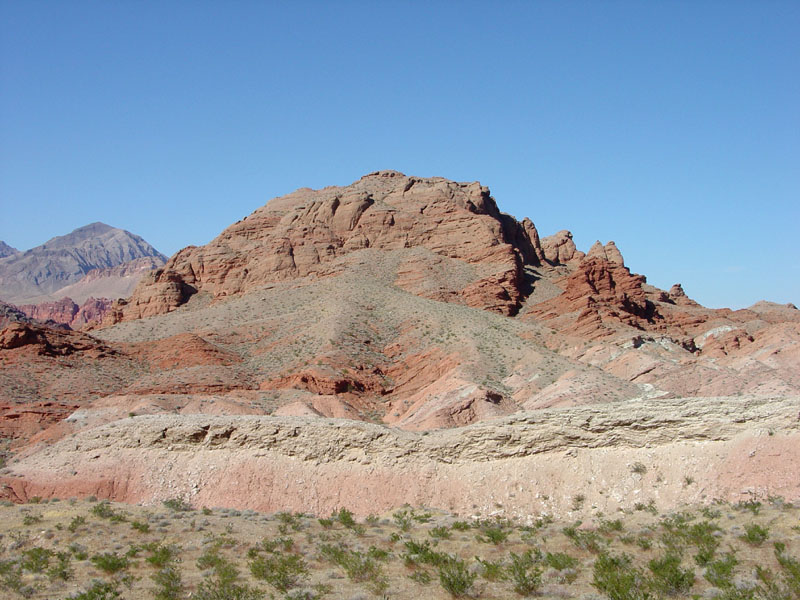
x,y
99,590
423,553
169,585
356,565
560,561
177,505
223,584
492,570
140,526
791,570
61,570
753,505
585,540
491,534
609,526
78,551
36,560
288,520
76,522
440,532
455,578
105,511
668,577
161,555
404,520
282,571
639,468
460,525
110,562
618,579
31,519
524,573
719,573
11,575
755,534
421,576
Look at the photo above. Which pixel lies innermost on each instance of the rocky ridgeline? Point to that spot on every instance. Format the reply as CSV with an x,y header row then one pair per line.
x,y
303,233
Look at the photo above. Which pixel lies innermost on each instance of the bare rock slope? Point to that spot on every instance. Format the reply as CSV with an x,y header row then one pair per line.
x,y
64,260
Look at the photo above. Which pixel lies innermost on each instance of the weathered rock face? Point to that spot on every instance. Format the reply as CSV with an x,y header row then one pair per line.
x,y
41,340
609,253
559,248
599,292
303,233
66,312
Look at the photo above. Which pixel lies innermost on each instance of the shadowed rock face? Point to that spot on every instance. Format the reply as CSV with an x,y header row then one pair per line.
x,y
66,259
303,233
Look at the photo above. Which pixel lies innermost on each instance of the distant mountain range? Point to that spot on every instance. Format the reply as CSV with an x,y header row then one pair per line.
x,y
39,274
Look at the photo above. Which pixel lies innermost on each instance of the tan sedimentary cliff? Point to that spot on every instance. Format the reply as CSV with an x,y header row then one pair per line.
x,y
727,448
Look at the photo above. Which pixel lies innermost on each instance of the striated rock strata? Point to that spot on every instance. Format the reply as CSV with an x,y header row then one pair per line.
x,y
733,448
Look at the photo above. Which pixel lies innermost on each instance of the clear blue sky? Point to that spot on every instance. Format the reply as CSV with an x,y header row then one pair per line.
x,y
672,128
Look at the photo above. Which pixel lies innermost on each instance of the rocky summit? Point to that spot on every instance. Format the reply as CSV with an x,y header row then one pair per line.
x,y
33,275
400,340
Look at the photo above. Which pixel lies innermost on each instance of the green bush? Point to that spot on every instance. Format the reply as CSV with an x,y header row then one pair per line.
x,y
177,505
560,561
161,555
618,579
492,534
140,526
492,570
99,590
36,560
442,533
110,562
76,522
755,534
62,569
456,578
404,519
668,577
168,584
719,573
282,571
524,573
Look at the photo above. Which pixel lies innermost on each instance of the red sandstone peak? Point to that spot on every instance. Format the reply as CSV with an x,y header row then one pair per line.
x,y
305,233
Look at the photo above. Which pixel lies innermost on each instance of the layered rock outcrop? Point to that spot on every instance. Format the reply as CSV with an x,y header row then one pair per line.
x,y
520,466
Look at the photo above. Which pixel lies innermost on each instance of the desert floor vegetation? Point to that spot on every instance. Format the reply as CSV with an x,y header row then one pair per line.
x,y
95,550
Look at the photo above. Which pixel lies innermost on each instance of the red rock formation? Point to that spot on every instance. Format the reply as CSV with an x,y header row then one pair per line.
x,y
22,421
299,234
182,351
66,312
41,340
559,248
600,293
